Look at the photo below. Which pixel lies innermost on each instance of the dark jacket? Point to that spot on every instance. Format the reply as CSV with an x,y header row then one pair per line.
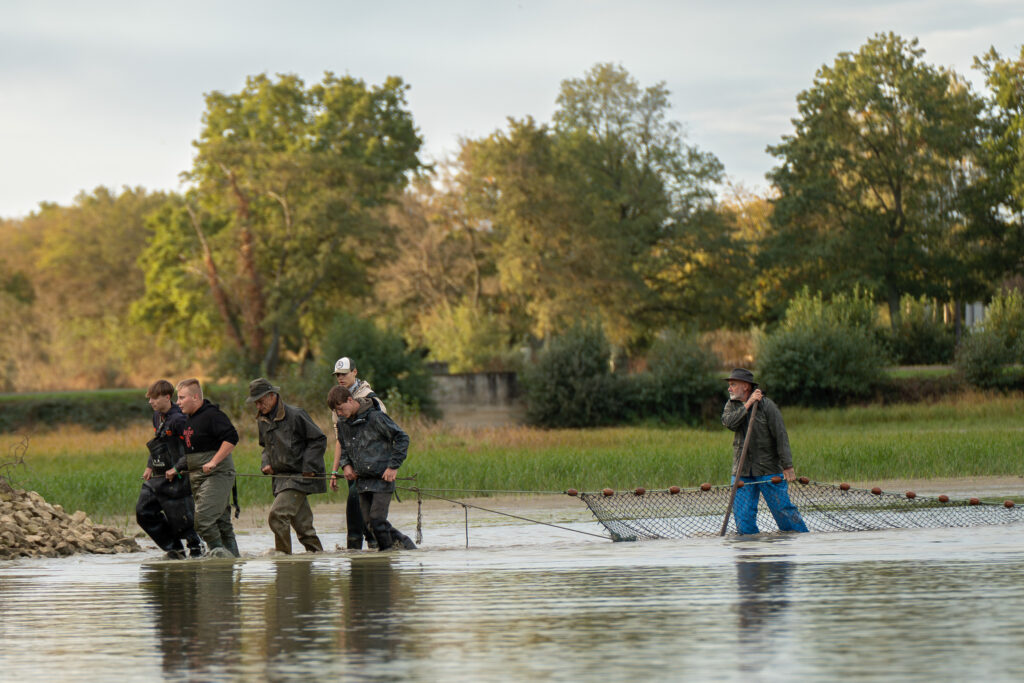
x,y
769,444
207,428
293,444
166,447
371,442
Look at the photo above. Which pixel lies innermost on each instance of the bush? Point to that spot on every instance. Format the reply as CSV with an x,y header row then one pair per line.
x,y
921,338
824,353
397,374
682,376
988,354
571,384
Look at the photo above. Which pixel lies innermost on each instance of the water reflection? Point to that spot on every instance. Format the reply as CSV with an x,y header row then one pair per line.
x,y
369,631
195,614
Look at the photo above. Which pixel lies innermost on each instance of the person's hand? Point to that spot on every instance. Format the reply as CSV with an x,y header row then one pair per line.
x,y
208,467
789,474
334,482
267,469
350,473
390,474
147,473
170,473
754,398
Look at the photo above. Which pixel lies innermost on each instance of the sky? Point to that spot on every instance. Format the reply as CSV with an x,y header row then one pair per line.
x,y
111,93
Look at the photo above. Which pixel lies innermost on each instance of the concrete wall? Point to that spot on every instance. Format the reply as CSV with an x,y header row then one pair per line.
x,y
479,399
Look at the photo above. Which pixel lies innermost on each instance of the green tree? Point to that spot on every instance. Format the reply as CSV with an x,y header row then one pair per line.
x,y
589,211
869,182
284,214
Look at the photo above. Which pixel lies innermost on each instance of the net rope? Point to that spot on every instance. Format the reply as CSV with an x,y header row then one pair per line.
x,y
683,513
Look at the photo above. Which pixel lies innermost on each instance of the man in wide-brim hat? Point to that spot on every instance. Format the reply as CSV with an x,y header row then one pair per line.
x,y
293,453
768,455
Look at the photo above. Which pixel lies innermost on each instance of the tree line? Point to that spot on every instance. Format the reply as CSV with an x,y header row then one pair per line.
x,y
308,202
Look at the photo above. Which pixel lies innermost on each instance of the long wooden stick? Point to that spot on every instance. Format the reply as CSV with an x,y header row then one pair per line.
x,y
739,468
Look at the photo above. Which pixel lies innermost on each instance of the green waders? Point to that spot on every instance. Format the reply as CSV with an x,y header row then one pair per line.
x,y
212,495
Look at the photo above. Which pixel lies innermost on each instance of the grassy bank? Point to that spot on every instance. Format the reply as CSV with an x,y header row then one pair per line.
x,y
970,435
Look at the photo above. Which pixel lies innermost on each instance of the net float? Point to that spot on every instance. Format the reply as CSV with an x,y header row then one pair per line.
x,y
1007,503
608,492
740,484
943,498
572,492
911,495
673,490
844,486
640,490
877,491
974,501
705,486
804,480
776,479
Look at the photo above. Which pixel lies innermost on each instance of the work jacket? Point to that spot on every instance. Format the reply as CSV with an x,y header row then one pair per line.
x,y
371,442
293,445
769,451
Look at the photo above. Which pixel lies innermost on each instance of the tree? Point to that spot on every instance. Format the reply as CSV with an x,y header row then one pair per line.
x,y
869,182
285,213
589,211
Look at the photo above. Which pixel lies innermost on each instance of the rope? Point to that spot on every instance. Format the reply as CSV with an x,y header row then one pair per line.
x,y
465,506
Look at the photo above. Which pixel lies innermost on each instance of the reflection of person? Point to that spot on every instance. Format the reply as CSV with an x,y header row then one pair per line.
x,y
292,444
347,375
165,509
372,449
209,439
762,593
374,588
196,618
768,456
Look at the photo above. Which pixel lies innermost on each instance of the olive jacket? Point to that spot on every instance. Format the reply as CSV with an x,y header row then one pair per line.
x,y
293,445
769,444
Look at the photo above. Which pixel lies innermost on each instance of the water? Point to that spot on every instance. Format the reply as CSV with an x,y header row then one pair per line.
x,y
526,602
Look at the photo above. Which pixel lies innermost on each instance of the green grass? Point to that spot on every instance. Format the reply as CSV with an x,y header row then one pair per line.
x,y
920,371
970,435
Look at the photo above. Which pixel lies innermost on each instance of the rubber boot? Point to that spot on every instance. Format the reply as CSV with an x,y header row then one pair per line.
x,y
195,544
232,546
382,531
355,542
217,549
402,540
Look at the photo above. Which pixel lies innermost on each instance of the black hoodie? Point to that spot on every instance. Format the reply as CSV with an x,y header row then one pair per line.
x,y
207,428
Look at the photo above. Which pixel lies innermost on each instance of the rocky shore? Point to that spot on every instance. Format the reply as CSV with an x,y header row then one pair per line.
x,y
31,527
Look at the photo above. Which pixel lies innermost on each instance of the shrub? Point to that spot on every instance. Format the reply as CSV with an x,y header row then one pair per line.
x,y
397,374
571,384
921,338
682,376
824,353
987,355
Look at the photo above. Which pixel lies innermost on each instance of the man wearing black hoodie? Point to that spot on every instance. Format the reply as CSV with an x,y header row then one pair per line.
x,y
209,439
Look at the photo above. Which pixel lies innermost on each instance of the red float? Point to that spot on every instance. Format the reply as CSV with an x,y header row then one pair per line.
x,y
844,486
911,495
943,498
740,484
877,491
974,501
673,490
1008,503
804,480
608,492
705,486
640,491
776,479
572,492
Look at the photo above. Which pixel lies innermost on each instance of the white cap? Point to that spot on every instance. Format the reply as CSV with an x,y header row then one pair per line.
x,y
344,364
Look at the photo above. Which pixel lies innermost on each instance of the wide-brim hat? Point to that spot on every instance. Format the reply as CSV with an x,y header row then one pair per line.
x,y
741,375
258,388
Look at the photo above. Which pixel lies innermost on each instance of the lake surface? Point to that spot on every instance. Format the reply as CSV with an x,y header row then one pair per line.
x,y
527,602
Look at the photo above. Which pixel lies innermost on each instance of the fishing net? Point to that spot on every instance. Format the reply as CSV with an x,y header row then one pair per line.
x,y
681,513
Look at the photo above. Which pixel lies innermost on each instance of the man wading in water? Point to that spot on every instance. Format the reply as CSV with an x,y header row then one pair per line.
x,y
165,509
209,439
372,449
768,456
292,445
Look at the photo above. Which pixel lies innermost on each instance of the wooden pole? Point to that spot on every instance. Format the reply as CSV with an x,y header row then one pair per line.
x,y
739,468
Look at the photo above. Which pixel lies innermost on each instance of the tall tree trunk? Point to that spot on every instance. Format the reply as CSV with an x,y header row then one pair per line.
x,y
220,297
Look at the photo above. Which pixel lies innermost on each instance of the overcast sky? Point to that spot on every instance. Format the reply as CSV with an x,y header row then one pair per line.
x,y
111,93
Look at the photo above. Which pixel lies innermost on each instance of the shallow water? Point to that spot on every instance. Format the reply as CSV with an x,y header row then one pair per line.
x,y
530,602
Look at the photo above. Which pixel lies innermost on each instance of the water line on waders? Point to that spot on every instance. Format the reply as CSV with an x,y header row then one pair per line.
x,y
739,468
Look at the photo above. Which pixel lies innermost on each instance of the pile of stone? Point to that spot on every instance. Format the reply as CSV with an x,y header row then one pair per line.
x,y
31,527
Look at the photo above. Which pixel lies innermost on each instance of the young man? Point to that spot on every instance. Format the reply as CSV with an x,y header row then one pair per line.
x,y
767,456
293,453
347,375
209,439
165,509
372,448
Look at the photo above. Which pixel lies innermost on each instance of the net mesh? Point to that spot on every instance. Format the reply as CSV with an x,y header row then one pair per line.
x,y
681,513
